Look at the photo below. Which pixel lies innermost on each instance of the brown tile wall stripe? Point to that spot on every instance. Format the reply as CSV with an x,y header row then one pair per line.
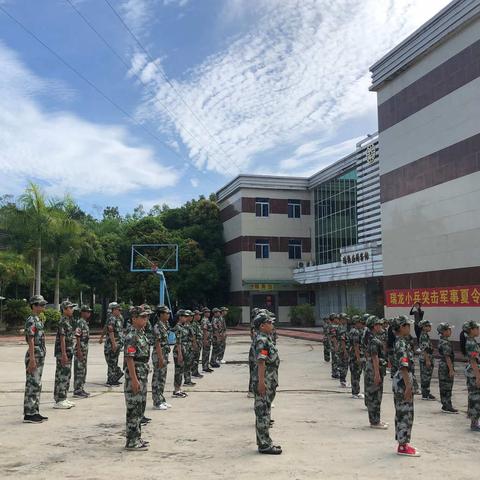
x,y
247,205
455,161
277,244
438,278
442,80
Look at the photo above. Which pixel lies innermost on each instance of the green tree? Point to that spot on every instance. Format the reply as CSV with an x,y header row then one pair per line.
x,y
14,270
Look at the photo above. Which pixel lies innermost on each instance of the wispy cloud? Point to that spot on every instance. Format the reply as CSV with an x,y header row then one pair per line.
x,y
298,73
63,151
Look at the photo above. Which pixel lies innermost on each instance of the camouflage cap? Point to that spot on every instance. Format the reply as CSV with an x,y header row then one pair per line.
x,y
205,309
181,313
215,310
343,315
444,326
188,313
469,325
425,323
262,318
255,312
113,305
136,311
85,308
196,312
67,304
37,300
332,316
162,309
403,320
144,312
224,309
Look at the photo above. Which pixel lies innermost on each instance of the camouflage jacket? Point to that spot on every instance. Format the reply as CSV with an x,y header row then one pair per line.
x,y
114,325
472,350
377,347
403,354
206,324
197,331
425,345
266,350
354,338
160,334
64,329
445,349
82,331
181,335
34,329
136,346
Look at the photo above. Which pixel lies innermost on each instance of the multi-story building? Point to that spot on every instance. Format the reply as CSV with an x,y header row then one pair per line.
x,y
428,92
291,240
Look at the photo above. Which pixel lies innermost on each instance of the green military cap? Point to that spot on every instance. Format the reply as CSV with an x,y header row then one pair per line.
x,y
188,313
365,317
196,312
403,320
162,309
85,308
113,305
424,323
136,311
37,300
442,327
332,316
181,313
343,315
262,318
144,312
67,304
205,309
470,325
370,321
215,310
224,309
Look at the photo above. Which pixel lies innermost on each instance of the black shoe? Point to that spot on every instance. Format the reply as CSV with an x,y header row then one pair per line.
x,y
145,420
215,365
336,377
121,375
272,450
44,419
32,418
189,384
428,397
144,442
116,384
208,370
449,410
197,375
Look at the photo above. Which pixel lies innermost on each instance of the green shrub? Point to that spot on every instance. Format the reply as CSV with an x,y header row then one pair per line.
x,y
50,319
351,311
234,316
16,312
302,315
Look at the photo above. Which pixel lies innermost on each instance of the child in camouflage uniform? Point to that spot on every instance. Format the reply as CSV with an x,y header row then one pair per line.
x,y
342,346
160,353
206,324
356,359
402,386
197,348
34,361
136,354
64,356
190,341
426,359
265,382
82,333
179,354
472,374
446,369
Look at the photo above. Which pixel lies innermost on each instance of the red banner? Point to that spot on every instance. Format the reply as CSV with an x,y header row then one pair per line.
x,y
468,296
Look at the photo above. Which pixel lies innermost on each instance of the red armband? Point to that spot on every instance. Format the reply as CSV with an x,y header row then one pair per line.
x,y
131,349
264,352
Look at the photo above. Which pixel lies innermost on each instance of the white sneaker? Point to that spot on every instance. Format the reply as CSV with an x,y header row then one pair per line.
x,y
273,405
70,403
380,426
63,405
223,362
167,404
250,395
358,397
162,406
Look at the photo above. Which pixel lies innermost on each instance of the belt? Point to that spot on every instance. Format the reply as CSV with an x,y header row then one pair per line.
x,y
142,360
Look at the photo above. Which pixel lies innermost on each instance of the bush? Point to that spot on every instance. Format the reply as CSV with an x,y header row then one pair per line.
x,y
16,312
351,311
234,316
302,315
50,318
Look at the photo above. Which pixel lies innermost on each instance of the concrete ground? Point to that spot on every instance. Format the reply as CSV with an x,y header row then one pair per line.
x,y
210,434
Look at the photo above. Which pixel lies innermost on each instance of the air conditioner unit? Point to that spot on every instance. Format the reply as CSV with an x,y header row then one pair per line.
x,y
311,264
301,265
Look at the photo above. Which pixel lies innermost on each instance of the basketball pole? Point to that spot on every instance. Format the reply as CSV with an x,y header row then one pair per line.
x,y
162,287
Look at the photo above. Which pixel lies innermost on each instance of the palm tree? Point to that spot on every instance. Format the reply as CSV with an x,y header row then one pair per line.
x,y
14,269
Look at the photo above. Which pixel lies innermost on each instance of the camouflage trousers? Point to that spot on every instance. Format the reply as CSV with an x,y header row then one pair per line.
x,y
473,398
62,380
33,386
215,352
187,364
426,376
222,345
373,393
263,411
80,371
159,377
404,413
135,404
355,374
342,367
326,348
179,368
206,350
335,359
114,372
196,360
445,384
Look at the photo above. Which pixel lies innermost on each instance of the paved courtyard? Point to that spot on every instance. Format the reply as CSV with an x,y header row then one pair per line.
x,y
210,434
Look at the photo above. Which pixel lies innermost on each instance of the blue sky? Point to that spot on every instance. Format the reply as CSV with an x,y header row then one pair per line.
x,y
213,89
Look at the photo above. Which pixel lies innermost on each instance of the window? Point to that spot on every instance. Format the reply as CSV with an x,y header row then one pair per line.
x,y
335,217
262,249
262,207
294,208
295,249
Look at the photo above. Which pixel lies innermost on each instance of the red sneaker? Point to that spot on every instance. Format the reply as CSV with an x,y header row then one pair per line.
x,y
407,450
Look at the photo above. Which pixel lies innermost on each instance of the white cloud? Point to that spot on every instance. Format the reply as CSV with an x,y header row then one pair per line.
x,y
195,183
63,151
300,70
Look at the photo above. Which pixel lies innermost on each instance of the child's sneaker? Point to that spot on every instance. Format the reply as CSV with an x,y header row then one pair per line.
x,y
407,450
